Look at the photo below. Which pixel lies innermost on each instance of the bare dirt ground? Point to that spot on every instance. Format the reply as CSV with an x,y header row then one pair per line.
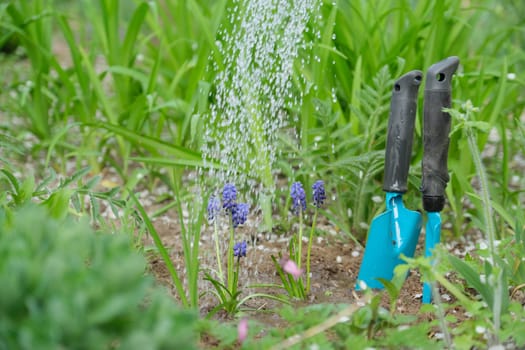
x,y
335,262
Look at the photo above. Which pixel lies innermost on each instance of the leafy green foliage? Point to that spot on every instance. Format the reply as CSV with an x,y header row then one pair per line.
x,y
66,286
134,84
62,196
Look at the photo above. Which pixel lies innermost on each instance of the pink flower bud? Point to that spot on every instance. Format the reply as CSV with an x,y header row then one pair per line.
x,y
290,267
242,330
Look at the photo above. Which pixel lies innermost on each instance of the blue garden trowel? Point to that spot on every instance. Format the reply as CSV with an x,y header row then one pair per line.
x,y
396,231
436,128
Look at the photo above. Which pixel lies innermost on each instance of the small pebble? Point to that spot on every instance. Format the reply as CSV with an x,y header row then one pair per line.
x,y
480,329
497,347
344,319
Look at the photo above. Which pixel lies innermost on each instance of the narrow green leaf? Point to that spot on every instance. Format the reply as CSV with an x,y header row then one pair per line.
x,y
162,249
149,142
472,278
131,35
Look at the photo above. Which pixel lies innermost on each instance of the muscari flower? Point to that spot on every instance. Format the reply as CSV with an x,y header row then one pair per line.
x,y
298,197
229,196
214,207
239,213
239,249
319,194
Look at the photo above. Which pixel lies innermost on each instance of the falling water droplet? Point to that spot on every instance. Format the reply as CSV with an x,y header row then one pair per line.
x,y
255,86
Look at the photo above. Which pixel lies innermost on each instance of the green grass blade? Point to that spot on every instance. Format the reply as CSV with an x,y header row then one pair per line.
x,y
162,250
149,143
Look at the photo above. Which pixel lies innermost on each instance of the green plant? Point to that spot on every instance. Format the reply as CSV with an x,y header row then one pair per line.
x,y
61,196
67,286
32,24
227,290
343,117
490,274
289,268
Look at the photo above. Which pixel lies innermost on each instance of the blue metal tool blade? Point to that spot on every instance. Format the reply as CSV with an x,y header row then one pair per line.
x,y
432,237
394,232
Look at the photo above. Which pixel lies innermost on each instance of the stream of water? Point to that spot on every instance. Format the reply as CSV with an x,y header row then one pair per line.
x,y
254,92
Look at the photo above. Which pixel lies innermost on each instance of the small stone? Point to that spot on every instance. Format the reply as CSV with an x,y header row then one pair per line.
x,y
480,329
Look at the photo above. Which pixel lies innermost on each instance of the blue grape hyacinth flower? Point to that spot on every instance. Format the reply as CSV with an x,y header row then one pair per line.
x,y
239,249
239,214
298,197
214,208
319,195
229,196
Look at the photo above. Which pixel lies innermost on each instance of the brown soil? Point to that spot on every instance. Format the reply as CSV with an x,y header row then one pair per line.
x,y
335,263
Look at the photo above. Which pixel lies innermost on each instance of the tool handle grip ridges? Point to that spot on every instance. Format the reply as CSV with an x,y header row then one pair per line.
x,y
436,129
401,131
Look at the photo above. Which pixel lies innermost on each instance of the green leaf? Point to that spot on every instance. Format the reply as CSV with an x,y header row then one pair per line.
x,y
180,162
479,125
130,39
150,143
58,203
472,277
162,249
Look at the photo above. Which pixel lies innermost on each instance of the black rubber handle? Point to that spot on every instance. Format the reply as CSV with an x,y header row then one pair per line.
x,y
401,131
436,128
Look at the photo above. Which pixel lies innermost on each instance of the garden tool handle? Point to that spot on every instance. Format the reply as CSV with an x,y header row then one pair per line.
x,y
398,152
436,129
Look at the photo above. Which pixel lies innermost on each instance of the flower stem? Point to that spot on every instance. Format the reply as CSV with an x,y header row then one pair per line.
x,y
230,257
218,250
485,196
298,256
310,239
489,226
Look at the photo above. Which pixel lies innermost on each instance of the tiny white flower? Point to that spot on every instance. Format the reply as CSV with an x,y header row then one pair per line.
x,y
511,76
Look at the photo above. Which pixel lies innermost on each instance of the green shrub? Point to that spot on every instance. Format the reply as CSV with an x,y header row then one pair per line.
x,y
64,286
